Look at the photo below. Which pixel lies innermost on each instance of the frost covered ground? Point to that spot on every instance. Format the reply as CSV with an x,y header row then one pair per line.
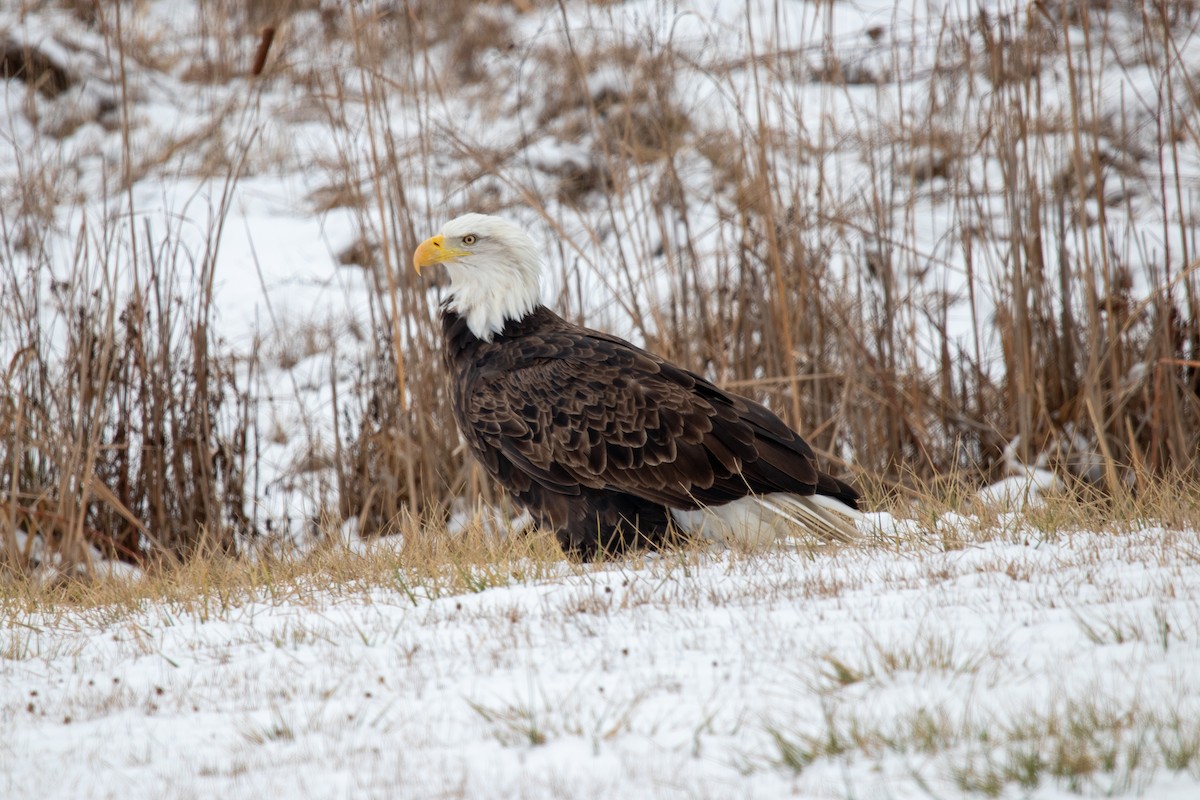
x,y
1015,664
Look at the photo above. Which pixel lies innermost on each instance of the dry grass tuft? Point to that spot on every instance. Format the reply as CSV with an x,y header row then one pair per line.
x,y
417,560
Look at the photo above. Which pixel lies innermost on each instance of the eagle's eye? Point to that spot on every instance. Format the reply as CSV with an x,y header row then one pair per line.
x,y
470,238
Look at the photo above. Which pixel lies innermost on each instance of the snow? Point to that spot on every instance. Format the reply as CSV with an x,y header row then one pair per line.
x,y
672,678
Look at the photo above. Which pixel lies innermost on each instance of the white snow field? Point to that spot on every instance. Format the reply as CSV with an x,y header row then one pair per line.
x,y
1025,665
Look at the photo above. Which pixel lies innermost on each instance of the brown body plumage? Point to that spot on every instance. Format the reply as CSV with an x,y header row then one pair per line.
x,y
600,439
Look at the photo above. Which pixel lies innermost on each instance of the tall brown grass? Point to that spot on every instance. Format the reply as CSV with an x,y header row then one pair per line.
x,y
125,424
123,428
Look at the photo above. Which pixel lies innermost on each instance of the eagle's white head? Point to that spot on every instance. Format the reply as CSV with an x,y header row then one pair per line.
x,y
495,270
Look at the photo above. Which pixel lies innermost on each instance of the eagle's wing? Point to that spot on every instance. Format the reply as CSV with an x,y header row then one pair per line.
x,y
586,409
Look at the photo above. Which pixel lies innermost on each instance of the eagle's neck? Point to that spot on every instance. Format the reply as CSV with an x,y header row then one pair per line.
x,y
489,298
462,343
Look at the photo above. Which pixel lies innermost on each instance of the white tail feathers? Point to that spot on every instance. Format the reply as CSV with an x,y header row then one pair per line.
x,y
762,519
827,517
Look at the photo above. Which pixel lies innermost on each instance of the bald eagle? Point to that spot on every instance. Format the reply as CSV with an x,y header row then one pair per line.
x,y
604,443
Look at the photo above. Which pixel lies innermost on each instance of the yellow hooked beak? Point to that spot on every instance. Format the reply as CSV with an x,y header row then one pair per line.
x,y
434,250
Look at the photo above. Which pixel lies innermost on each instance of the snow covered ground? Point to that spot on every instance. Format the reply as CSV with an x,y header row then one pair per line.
x,y
1015,665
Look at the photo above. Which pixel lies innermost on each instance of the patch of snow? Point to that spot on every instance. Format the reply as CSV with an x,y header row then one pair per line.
x,y
1020,491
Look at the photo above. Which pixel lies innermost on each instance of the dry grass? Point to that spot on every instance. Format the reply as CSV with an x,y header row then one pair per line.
x,y
126,424
420,562
1086,745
